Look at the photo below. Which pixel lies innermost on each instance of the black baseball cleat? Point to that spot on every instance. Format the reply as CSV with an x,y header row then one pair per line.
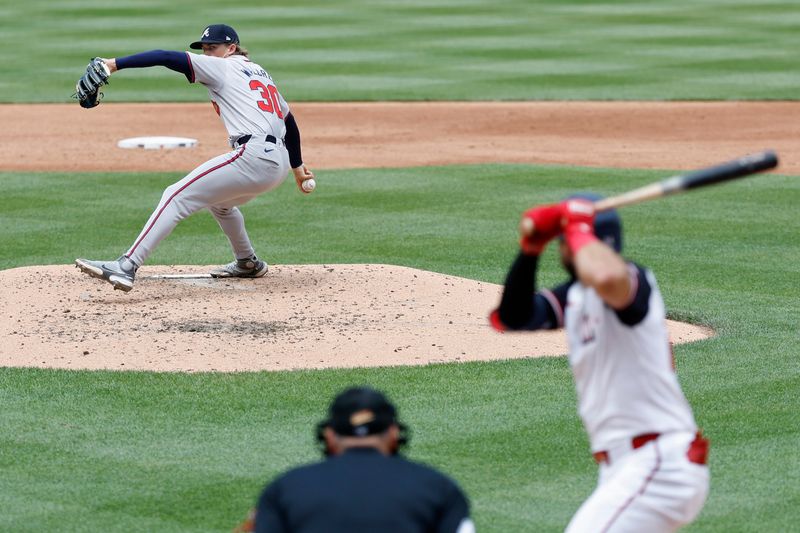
x,y
119,273
249,267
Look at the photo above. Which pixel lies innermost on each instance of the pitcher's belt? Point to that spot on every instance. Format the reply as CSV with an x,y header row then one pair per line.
x,y
245,138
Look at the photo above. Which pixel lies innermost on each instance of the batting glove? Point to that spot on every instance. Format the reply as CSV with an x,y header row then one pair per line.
x,y
539,226
578,223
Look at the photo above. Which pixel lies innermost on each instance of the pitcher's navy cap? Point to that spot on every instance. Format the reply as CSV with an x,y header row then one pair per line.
x,y
216,33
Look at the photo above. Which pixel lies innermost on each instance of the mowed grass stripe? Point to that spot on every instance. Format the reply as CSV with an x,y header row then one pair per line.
x,y
449,50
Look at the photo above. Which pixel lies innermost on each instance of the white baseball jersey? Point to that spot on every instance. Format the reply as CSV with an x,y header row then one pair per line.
x,y
243,93
624,375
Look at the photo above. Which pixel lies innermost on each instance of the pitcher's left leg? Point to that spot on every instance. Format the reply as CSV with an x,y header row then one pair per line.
x,y
231,221
266,170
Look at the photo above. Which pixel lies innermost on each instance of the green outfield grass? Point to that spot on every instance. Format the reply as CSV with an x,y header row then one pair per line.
x,y
423,49
177,452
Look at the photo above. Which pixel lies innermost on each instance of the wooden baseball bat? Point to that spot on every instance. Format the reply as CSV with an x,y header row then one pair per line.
x,y
738,168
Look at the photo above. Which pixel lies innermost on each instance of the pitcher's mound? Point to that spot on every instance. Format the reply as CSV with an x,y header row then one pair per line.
x,y
305,316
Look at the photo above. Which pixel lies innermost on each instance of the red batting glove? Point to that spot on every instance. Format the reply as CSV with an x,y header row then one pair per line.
x,y
545,223
578,223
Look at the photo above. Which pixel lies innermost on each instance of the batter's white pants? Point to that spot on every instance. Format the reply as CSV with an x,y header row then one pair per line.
x,y
220,184
651,489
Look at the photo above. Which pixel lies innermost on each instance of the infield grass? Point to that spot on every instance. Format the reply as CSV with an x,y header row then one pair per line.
x,y
423,49
178,452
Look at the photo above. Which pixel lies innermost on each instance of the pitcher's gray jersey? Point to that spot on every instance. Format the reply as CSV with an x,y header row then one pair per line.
x,y
243,94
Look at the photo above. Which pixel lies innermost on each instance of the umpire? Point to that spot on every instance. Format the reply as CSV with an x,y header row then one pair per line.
x,y
363,485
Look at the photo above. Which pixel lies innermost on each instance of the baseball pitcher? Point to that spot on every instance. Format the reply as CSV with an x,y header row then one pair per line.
x,y
652,458
261,130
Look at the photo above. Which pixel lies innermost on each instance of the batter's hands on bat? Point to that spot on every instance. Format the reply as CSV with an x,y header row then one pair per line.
x,y
539,225
301,174
578,221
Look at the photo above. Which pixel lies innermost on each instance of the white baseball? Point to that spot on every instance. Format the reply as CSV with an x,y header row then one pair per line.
x,y
309,185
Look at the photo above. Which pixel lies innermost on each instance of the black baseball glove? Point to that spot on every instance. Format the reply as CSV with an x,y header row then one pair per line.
x,y
87,90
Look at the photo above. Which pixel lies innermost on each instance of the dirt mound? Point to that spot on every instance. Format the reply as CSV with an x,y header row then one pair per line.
x,y
309,316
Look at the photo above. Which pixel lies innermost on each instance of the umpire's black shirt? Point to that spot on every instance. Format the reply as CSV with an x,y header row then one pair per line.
x,y
361,490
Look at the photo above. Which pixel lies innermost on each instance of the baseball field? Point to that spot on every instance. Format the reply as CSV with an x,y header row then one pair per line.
x,y
431,125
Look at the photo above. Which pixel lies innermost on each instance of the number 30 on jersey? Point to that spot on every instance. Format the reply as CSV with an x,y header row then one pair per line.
x,y
269,93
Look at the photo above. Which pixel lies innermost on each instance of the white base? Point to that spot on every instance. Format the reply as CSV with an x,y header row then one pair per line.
x,y
157,143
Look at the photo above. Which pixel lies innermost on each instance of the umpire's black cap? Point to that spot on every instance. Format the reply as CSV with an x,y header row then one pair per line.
x,y
360,411
216,33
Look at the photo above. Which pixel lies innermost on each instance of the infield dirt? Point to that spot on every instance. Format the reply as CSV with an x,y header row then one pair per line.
x,y
664,135
320,316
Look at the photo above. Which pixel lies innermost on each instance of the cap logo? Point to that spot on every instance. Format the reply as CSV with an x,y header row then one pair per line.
x,y
205,33
359,418
227,38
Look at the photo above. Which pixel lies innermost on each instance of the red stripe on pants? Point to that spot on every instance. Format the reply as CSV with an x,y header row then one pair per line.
x,y
228,162
647,481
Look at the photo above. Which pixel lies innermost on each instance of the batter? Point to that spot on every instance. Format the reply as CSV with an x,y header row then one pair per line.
x,y
262,132
653,474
